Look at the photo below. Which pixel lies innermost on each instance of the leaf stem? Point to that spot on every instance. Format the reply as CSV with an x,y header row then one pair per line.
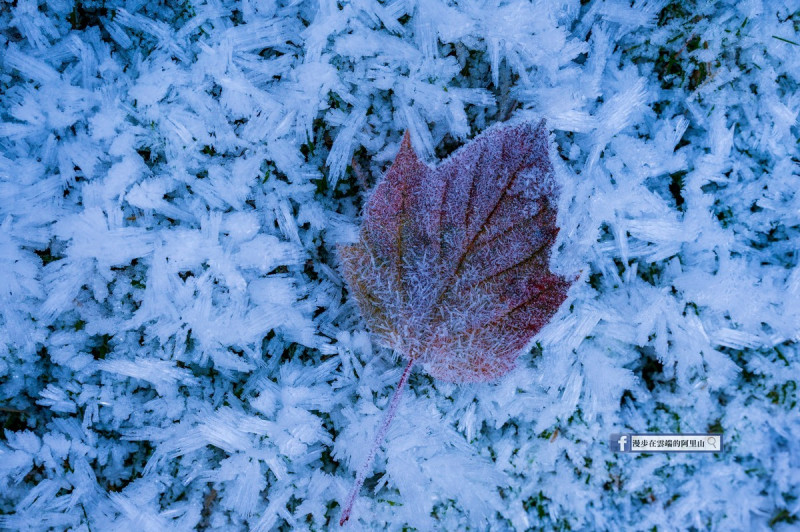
x,y
379,437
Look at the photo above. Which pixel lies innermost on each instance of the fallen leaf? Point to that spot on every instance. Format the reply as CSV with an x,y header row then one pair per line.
x,y
452,266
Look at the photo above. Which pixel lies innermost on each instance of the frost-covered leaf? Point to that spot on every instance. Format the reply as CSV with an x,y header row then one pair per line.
x,y
451,269
452,266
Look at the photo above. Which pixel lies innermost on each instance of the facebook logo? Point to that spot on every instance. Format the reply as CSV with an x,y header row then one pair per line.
x,y
619,443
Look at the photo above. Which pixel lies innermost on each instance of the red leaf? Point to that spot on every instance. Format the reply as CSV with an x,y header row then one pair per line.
x,y
451,269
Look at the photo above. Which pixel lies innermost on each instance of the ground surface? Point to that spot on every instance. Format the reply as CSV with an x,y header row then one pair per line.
x,y
177,347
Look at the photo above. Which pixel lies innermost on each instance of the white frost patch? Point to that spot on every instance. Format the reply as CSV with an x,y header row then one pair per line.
x,y
179,351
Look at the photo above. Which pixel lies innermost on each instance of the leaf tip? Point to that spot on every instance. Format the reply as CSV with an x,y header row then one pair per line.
x,y
406,154
542,126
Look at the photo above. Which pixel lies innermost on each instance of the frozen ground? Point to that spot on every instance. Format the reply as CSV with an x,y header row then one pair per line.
x,y
178,349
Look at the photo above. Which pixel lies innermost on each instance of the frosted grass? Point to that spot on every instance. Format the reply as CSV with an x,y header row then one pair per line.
x,y
179,351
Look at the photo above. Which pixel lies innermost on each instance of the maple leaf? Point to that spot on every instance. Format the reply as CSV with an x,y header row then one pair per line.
x,y
451,269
